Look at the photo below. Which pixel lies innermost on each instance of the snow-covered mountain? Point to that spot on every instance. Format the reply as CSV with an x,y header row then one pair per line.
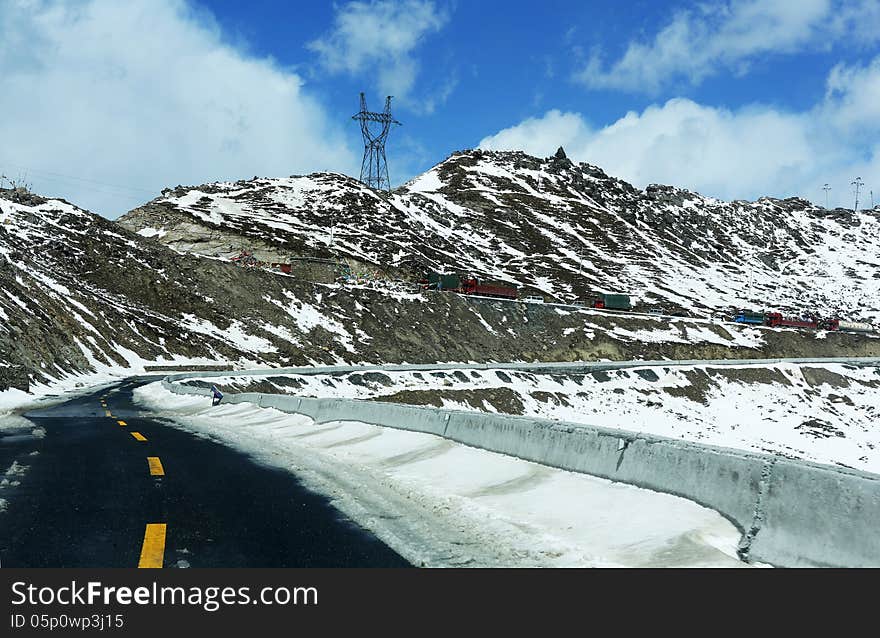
x,y
548,225
80,294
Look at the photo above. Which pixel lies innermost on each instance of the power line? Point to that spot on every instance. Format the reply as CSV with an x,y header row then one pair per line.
x,y
64,186
64,183
78,179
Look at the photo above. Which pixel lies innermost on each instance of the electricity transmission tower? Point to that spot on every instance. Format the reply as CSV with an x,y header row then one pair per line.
x,y
858,183
826,188
374,167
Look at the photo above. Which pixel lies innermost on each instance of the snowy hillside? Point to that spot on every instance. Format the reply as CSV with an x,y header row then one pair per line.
x,y
552,226
80,294
823,413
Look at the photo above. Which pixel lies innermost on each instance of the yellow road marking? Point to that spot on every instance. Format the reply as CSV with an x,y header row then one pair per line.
x,y
107,412
121,422
139,436
156,468
153,549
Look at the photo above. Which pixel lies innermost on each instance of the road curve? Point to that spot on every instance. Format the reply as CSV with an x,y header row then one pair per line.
x,y
97,484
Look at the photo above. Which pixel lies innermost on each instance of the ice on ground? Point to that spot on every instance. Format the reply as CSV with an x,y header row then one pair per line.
x,y
440,503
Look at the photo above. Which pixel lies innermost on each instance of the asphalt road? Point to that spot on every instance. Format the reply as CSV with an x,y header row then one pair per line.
x,y
81,491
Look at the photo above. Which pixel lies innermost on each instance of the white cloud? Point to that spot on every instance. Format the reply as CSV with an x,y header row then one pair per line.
x,y
146,94
701,42
852,98
731,154
380,38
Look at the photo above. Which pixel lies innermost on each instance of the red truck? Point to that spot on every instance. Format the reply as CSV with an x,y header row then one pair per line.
x,y
776,319
474,287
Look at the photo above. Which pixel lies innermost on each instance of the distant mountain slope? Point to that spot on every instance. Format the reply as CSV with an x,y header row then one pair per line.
x,y
547,224
79,293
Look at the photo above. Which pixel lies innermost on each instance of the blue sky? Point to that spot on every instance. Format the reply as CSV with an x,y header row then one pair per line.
x,y
106,103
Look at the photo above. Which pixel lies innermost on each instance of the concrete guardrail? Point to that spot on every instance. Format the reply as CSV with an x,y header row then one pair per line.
x,y
790,512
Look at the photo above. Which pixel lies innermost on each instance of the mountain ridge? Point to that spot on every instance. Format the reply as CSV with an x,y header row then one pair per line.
x,y
80,293
551,226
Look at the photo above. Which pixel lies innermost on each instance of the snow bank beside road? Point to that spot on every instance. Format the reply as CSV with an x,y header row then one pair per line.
x,y
67,385
13,401
824,413
440,503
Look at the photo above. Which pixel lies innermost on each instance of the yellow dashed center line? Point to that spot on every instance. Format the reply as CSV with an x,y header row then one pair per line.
x,y
153,550
156,468
139,436
121,422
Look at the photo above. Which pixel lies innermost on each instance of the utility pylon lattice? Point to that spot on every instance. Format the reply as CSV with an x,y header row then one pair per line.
x,y
374,167
826,188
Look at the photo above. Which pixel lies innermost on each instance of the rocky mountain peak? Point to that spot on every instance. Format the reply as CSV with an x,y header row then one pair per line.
x,y
80,292
547,225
